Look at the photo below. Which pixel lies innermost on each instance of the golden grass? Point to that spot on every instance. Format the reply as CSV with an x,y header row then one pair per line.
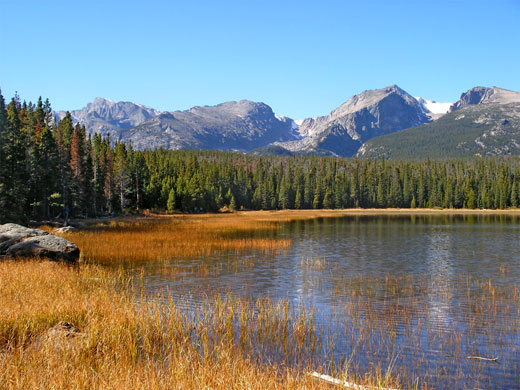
x,y
124,344
162,238
131,341
165,237
156,238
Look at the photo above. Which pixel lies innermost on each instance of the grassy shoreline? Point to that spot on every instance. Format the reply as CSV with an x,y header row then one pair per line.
x,y
159,237
121,343
387,211
124,342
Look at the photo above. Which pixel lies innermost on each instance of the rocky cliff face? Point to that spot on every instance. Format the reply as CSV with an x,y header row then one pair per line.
x,y
242,125
105,116
367,115
484,122
484,95
251,126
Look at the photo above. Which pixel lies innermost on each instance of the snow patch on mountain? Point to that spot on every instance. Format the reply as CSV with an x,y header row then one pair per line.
x,y
433,107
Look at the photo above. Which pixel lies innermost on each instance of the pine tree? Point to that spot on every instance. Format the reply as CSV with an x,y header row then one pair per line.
x,y
298,201
64,133
232,204
316,202
107,167
396,195
170,205
381,201
469,195
514,194
3,150
78,184
14,180
121,174
284,196
328,199
139,175
48,165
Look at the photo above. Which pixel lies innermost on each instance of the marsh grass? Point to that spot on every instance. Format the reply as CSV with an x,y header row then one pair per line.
x,y
391,335
124,343
159,238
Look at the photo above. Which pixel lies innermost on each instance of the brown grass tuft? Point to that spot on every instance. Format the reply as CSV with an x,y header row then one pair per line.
x,y
166,237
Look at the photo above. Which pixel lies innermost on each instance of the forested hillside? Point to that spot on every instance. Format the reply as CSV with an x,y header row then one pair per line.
x,y
53,170
482,129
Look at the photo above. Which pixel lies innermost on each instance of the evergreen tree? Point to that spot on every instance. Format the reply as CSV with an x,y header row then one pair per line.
x,y
14,180
121,173
232,204
170,205
514,194
328,199
64,133
48,165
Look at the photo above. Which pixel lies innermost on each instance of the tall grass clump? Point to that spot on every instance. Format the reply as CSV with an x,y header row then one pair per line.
x,y
129,240
83,328
118,343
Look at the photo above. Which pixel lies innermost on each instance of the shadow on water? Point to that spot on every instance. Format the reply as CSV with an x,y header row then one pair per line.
x,y
430,296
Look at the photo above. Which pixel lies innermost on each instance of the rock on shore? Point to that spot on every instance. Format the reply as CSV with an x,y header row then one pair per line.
x,y
17,241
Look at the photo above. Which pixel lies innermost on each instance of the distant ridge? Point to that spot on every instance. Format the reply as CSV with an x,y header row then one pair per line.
x,y
363,126
483,122
106,116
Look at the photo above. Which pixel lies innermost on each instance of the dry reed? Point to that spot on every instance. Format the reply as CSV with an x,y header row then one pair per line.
x,y
129,342
124,343
165,237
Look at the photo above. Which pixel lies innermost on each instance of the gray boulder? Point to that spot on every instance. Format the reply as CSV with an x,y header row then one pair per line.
x,y
18,241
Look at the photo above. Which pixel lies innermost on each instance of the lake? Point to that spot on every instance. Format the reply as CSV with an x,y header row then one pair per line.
x,y
434,296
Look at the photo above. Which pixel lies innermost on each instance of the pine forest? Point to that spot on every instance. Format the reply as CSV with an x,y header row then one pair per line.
x,y
56,170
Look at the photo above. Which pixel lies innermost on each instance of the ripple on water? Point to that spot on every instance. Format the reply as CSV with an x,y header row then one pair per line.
x,y
426,294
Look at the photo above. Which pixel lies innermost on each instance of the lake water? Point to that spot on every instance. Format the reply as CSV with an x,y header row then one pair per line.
x,y
434,297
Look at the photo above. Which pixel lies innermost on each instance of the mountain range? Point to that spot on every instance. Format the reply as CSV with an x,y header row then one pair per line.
x,y
484,122
386,122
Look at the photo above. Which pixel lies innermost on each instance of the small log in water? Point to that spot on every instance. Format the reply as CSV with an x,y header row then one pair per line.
x,y
479,358
348,385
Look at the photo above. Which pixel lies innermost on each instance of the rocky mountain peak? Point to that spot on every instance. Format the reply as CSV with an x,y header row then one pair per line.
x,y
239,108
102,101
106,116
485,95
371,97
369,114
247,125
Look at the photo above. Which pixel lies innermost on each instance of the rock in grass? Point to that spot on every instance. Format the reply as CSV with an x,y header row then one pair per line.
x,y
62,336
17,241
65,229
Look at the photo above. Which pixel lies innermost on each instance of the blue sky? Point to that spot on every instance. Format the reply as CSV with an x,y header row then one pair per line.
x,y
303,58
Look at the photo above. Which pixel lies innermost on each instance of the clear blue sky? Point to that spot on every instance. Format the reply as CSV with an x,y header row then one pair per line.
x,y
303,58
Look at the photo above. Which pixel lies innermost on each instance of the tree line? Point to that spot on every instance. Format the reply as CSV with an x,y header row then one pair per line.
x,y
55,169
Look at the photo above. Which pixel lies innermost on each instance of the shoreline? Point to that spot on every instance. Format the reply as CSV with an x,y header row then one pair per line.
x,y
387,211
291,214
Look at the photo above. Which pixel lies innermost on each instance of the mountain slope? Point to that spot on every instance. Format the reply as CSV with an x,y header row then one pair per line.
x,y
105,116
370,114
485,121
242,125
484,95
372,123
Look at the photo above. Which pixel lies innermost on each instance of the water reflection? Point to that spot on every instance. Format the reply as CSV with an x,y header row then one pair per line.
x,y
439,257
423,291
